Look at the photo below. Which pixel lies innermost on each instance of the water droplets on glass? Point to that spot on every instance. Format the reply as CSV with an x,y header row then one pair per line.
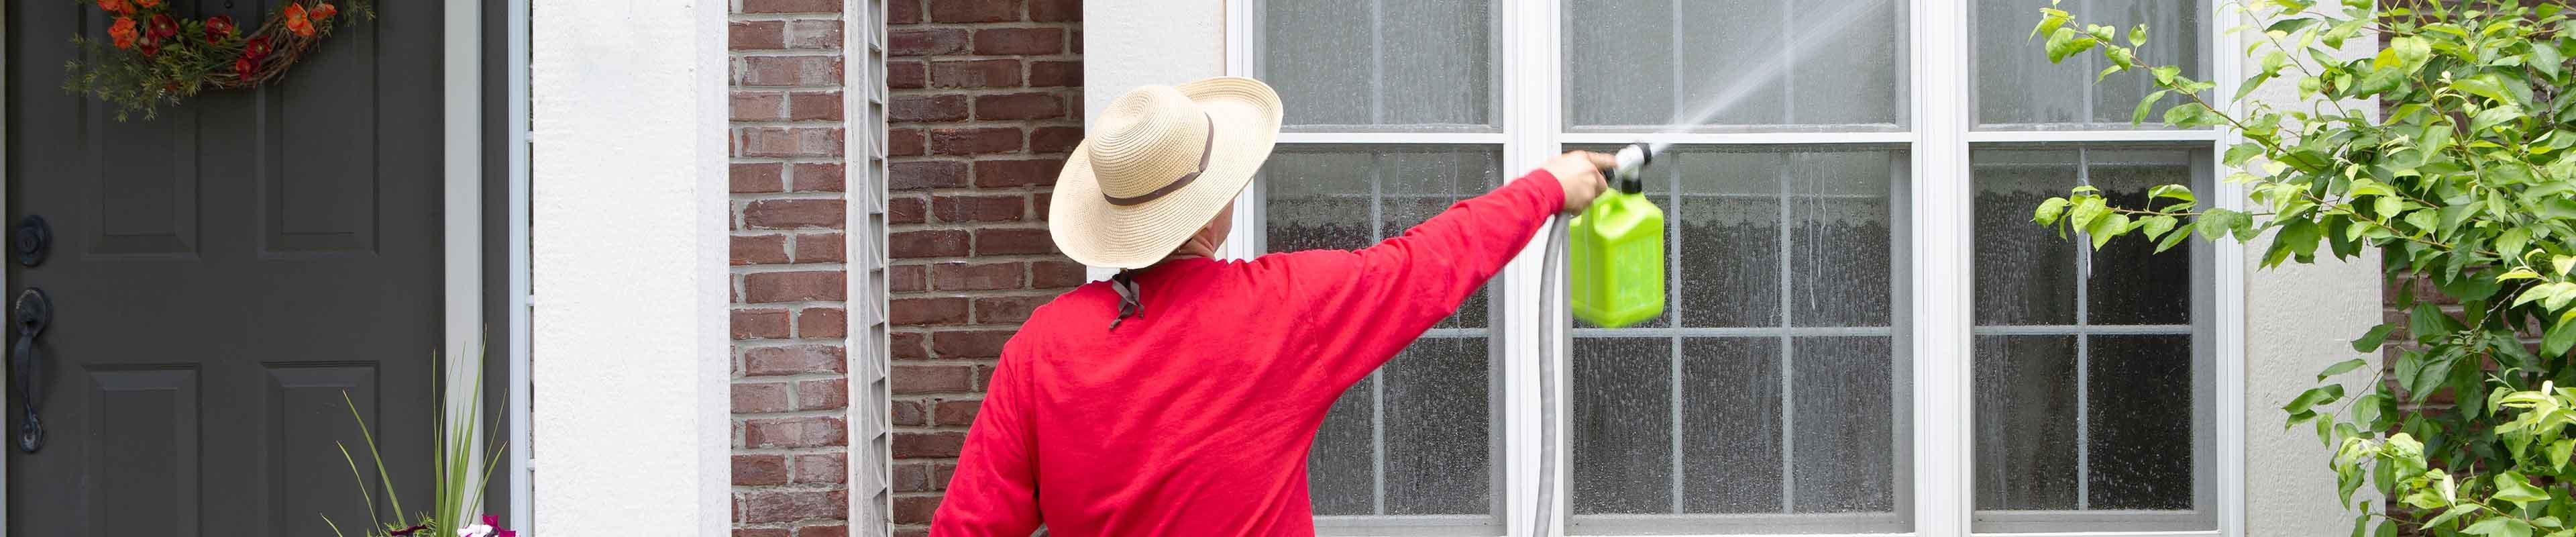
x,y
1735,64
1416,65
2017,87
1770,386
1415,438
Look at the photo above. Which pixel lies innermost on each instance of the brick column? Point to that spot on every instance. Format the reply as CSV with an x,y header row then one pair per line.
x,y
986,103
790,390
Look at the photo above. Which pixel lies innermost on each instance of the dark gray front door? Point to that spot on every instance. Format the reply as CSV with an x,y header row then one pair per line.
x,y
219,276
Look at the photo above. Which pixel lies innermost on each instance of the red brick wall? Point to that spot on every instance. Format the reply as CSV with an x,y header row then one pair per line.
x,y
987,98
791,385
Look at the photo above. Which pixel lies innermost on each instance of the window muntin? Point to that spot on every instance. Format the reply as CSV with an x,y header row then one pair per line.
x,y
1416,438
1779,354
2090,373
1644,65
1718,355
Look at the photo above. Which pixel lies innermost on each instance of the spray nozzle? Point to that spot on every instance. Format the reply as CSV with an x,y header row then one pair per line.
x,y
1632,161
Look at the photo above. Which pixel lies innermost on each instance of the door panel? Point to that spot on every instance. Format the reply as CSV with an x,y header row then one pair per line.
x,y
221,276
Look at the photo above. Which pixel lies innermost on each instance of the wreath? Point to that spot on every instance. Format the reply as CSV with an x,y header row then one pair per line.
x,y
153,58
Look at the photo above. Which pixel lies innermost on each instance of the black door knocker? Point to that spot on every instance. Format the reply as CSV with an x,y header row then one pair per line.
x,y
31,240
31,312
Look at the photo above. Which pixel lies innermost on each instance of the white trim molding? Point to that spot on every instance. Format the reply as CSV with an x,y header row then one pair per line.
x,y
631,392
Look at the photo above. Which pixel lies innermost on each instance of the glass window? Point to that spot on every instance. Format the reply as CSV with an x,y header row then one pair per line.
x,y
1381,65
1723,65
1416,438
2017,88
1768,397
2092,399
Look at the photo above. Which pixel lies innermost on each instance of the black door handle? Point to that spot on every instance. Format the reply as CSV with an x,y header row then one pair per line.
x,y
32,311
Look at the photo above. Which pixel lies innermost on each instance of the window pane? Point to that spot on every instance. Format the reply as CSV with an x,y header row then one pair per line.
x,y
2088,384
2018,88
2132,284
1766,399
1416,438
2141,412
1367,64
2025,272
2026,422
1735,64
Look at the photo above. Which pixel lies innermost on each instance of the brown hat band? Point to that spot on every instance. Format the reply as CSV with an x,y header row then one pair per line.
x,y
1176,184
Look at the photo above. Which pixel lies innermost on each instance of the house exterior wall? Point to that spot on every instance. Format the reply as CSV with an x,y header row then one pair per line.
x,y
628,411
984,107
2298,319
789,180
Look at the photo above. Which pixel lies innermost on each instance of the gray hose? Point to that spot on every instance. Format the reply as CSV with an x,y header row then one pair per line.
x,y
1552,284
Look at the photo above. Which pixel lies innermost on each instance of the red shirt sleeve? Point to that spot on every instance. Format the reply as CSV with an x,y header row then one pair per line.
x,y
995,490
1361,307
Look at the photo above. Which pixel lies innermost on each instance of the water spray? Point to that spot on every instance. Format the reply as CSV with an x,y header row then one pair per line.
x,y
1617,279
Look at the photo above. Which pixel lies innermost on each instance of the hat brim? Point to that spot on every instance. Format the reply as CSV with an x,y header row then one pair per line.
x,y
1245,116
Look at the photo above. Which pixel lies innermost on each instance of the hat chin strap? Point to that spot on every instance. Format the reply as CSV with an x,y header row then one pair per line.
x,y
1208,147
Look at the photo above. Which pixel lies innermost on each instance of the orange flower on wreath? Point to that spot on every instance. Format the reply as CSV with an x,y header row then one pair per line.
x,y
296,22
124,32
112,6
323,11
148,3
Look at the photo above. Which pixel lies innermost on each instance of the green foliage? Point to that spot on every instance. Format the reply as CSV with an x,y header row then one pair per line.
x,y
2461,184
459,490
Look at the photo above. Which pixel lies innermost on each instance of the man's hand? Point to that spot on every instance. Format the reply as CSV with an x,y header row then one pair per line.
x,y
1579,172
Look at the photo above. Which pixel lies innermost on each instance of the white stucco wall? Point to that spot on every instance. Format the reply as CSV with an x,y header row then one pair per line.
x,y
2298,319
628,213
1130,43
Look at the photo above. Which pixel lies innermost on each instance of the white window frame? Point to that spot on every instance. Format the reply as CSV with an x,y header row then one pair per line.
x,y
1937,140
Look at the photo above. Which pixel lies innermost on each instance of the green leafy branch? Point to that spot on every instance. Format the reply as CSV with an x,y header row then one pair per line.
x,y
2462,185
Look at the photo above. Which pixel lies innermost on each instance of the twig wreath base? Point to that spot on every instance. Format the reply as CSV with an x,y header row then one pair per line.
x,y
153,58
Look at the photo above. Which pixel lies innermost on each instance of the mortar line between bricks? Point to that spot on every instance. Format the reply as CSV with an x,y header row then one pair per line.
x,y
785,53
813,267
815,413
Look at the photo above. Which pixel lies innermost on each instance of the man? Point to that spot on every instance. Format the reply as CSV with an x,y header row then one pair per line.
x,y
1181,397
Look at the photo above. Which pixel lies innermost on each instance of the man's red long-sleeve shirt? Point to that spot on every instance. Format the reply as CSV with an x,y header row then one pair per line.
x,y
1195,417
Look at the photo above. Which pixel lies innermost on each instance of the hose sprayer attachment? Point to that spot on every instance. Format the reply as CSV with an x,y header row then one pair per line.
x,y
1632,161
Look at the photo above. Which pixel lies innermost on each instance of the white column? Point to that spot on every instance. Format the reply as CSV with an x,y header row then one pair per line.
x,y
1942,251
628,231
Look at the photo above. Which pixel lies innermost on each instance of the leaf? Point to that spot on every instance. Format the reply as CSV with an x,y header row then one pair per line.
x,y
2173,192
2313,397
2138,35
2547,59
2165,74
2494,116
2518,274
2048,211
2049,21
2453,514
2176,238
2086,210
2560,451
2104,228
2241,152
2486,85
2345,366
2511,487
2144,105
2066,42
2561,336
2411,51
2189,115
2371,340
2155,226
2510,242
2562,263
2499,527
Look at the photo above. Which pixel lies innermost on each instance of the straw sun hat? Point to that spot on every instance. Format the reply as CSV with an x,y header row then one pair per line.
x,y
1161,162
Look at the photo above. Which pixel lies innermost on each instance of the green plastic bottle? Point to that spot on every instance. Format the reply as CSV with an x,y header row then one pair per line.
x,y
1617,257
